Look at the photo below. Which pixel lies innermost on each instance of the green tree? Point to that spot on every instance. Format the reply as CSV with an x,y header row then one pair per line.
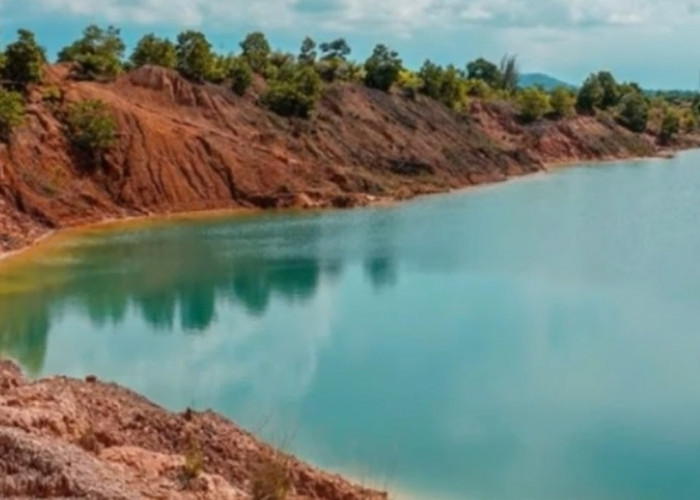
x,y
383,68
452,89
563,102
11,113
24,61
431,75
336,49
155,51
296,96
98,53
590,95
241,76
670,125
611,90
510,74
334,64
486,71
533,104
634,112
195,59
256,50
91,127
308,54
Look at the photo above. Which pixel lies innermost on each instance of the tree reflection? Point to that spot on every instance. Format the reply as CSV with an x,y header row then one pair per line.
x,y
175,273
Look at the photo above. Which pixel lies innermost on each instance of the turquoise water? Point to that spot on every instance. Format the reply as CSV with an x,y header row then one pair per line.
x,y
538,339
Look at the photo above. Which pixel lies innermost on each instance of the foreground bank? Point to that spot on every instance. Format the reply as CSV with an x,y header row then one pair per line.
x,y
63,437
185,147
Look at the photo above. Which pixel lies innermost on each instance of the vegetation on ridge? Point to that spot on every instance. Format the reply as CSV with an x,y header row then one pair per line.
x,y
292,85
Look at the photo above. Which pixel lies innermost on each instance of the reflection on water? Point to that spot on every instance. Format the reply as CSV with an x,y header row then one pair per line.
x,y
534,340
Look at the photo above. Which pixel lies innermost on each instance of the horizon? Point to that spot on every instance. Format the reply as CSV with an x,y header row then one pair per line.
x,y
565,41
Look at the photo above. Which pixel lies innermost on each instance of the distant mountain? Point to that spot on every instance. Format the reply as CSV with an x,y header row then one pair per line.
x,y
542,80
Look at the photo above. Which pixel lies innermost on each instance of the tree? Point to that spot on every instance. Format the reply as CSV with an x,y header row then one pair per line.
x,y
590,95
670,125
337,49
510,73
634,112
431,75
195,59
383,68
533,104
241,75
11,113
563,102
296,96
334,64
486,71
24,61
156,51
452,90
611,90
91,127
410,83
256,50
307,54
98,53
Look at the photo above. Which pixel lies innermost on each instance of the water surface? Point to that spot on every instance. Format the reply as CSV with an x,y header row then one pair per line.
x,y
538,339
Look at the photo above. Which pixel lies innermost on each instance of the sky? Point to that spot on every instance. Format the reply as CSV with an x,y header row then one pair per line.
x,y
653,42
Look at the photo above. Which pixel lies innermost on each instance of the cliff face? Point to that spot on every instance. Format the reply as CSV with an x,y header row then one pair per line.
x,y
191,147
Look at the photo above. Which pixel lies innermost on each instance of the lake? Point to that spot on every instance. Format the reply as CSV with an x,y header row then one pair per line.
x,y
538,339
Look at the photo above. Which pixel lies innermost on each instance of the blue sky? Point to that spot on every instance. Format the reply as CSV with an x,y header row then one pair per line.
x,y
655,42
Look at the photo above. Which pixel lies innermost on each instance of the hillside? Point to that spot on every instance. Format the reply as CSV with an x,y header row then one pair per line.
x,y
66,438
185,147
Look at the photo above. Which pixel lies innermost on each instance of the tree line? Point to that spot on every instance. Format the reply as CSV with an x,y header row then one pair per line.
x,y
294,82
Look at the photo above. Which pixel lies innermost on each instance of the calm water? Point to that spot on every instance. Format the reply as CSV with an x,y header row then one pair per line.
x,y
533,340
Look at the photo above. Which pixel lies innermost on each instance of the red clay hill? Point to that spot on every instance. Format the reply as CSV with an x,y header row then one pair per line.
x,y
185,147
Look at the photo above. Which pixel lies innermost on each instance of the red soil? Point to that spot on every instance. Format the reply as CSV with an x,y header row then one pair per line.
x,y
186,147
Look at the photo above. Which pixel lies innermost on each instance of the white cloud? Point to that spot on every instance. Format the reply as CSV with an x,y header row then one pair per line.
x,y
398,15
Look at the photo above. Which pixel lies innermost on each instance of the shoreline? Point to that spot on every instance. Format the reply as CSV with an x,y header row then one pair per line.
x,y
156,218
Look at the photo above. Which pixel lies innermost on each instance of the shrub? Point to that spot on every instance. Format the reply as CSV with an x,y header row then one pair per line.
x,y
477,88
91,126
241,76
383,68
52,95
11,113
271,480
563,102
24,61
154,50
195,59
670,125
410,83
533,104
194,463
431,75
452,89
634,112
98,53
296,96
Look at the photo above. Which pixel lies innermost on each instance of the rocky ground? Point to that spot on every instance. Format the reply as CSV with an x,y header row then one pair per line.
x,y
186,147
66,438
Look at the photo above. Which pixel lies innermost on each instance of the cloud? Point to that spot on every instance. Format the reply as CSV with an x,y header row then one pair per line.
x,y
404,16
